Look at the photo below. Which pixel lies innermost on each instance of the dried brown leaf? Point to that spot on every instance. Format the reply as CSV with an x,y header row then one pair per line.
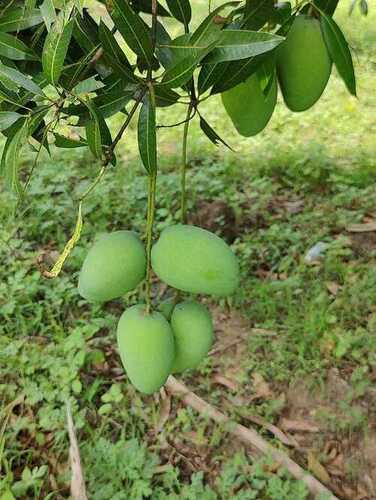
x,y
297,426
221,380
333,287
261,388
317,468
362,228
165,410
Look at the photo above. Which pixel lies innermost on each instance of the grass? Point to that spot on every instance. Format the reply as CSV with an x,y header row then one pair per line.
x,y
54,346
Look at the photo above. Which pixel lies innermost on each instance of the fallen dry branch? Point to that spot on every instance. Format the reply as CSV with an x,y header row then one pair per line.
x,y
78,490
248,436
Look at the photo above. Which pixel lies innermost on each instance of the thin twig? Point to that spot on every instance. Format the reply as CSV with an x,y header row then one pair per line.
x,y
248,436
173,125
124,126
183,201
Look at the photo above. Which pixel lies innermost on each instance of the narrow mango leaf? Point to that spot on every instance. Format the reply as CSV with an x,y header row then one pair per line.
x,y
211,134
7,118
9,96
20,80
97,132
79,4
164,96
93,134
327,6
15,20
147,134
181,72
257,13
85,32
13,150
87,86
208,30
12,48
210,74
55,49
236,72
339,51
48,12
133,30
170,52
181,10
115,56
241,44
65,142
108,104
145,6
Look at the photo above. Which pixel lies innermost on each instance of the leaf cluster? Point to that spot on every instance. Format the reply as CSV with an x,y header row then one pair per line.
x,y
64,73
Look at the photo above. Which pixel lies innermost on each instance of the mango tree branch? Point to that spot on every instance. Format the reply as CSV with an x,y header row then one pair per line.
x,y
247,436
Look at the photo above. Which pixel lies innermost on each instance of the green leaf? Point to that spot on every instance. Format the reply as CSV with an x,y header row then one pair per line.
x,y
87,86
20,79
236,72
65,142
79,4
7,118
241,44
209,29
9,95
326,6
55,49
145,6
257,13
114,55
93,134
12,48
147,134
339,51
10,160
164,96
210,74
107,104
85,32
211,134
16,19
181,72
133,30
181,10
97,133
48,12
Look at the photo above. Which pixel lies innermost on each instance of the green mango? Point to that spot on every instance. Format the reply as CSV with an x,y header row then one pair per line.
x,y
146,346
114,265
193,332
194,260
303,64
248,107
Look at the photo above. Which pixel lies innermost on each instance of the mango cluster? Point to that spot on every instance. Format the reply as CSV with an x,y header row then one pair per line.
x,y
302,68
178,336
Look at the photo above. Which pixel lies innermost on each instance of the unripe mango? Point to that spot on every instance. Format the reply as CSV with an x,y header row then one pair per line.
x,y
194,260
193,332
248,107
303,64
115,265
146,346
